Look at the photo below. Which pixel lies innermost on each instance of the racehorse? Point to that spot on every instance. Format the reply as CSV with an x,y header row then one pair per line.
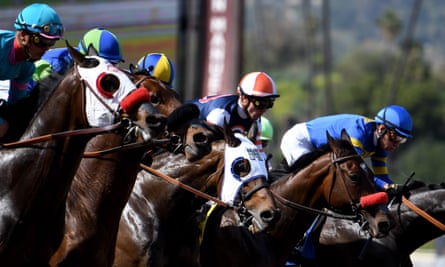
x,y
103,183
158,226
38,169
341,243
336,178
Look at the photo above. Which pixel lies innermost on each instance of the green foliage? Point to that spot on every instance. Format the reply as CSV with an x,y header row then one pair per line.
x,y
424,156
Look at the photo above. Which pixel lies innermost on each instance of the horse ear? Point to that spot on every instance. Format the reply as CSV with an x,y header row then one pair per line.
x,y
345,135
75,54
182,116
92,51
229,135
253,132
133,68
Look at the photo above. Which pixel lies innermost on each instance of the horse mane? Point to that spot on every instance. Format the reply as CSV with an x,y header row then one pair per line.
x,y
22,113
46,86
307,158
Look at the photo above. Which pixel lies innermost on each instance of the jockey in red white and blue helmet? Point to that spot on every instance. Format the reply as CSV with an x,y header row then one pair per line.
x,y
371,138
159,66
256,94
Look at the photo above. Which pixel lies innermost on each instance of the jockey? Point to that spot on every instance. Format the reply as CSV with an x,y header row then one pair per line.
x,y
60,60
391,127
159,66
38,27
266,131
266,136
256,94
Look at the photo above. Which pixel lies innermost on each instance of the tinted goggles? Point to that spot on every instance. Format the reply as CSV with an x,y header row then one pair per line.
x,y
260,103
395,138
42,42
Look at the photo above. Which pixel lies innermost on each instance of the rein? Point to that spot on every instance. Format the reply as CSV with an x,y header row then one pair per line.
x,y
53,136
422,213
184,186
314,211
93,154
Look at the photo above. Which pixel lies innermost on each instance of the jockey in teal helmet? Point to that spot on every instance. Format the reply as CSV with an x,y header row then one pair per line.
x,y
41,20
159,66
38,27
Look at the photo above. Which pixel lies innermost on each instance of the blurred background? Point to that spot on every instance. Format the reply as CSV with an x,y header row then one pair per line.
x,y
325,57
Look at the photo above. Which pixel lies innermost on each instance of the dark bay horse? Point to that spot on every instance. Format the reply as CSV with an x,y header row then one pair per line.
x,y
103,183
341,243
158,226
336,179
37,170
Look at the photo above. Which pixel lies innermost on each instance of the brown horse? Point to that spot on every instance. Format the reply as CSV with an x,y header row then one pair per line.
x,y
158,226
102,185
38,169
334,179
341,243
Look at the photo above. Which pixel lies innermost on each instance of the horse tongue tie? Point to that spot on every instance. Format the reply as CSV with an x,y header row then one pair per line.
x,y
134,99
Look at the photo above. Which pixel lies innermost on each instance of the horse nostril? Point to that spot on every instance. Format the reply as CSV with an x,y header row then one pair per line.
x,y
270,216
384,227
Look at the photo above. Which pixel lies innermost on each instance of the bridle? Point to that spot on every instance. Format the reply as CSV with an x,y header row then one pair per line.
x,y
122,122
355,206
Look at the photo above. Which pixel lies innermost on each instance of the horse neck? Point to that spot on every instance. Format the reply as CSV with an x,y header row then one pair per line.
x,y
412,231
206,174
62,111
304,188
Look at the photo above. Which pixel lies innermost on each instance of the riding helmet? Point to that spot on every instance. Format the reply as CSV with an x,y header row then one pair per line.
x,y
159,66
41,19
258,84
105,43
266,129
396,118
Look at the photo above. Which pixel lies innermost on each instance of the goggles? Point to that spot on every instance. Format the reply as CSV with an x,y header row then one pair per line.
x,y
42,42
49,30
259,103
395,138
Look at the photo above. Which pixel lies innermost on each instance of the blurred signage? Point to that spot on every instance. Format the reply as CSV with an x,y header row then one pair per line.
x,y
222,46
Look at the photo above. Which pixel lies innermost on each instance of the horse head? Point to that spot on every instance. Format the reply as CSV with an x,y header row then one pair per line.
x,y
351,189
245,181
165,99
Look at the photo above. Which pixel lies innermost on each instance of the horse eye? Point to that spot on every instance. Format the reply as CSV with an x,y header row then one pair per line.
x,y
242,168
200,138
354,177
155,99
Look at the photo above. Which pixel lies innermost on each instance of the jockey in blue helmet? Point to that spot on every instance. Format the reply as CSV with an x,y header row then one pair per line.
x,y
371,138
59,59
159,66
105,43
